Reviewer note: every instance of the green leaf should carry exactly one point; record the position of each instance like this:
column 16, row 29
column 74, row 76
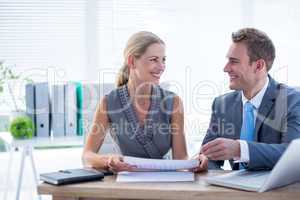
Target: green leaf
column 4, row 72
column 14, row 76
column 28, row 80
column 22, row 127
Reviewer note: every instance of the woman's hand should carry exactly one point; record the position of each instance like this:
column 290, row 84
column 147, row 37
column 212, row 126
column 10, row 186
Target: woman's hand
column 203, row 163
column 116, row 164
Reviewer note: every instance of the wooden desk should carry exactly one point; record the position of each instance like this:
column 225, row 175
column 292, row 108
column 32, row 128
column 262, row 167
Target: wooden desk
column 109, row 189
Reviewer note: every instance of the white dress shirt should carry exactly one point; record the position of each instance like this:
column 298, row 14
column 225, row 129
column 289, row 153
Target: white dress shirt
column 255, row 101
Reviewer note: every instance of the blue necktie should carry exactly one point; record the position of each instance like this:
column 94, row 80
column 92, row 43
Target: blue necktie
column 247, row 130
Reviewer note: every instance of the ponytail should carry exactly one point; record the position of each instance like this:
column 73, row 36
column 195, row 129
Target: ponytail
column 123, row 76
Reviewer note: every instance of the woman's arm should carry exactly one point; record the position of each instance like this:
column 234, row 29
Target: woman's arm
column 179, row 150
column 95, row 139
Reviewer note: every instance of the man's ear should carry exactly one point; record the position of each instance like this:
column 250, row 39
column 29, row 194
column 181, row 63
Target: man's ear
column 260, row 65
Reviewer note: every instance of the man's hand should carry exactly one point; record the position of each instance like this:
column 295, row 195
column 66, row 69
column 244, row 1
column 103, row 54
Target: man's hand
column 221, row 149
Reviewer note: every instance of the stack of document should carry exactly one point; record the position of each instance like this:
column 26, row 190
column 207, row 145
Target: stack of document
column 160, row 164
column 155, row 176
column 158, row 170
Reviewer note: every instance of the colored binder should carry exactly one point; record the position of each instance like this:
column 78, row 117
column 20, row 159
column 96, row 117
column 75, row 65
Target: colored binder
column 90, row 98
column 42, row 110
column 30, row 103
column 58, row 110
column 70, row 109
column 79, row 108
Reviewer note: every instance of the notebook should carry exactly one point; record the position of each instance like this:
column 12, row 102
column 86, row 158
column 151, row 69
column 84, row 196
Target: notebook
column 286, row 171
column 71, row 176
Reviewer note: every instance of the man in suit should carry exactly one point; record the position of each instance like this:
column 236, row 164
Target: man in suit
column 253, row 125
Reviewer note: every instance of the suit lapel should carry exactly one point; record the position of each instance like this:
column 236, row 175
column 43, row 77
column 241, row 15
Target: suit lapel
column 265, row 106
column 237, row 118
column 237, row 113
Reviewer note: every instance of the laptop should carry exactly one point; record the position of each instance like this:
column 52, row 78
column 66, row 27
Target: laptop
column 71, row 176
column 286, row 171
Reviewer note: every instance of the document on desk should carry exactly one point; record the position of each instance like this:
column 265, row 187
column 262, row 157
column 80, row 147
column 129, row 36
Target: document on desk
column 145, row 164
column 174, row 176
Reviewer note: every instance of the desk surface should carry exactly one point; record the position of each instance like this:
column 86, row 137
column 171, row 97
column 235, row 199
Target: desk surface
column 109, row 189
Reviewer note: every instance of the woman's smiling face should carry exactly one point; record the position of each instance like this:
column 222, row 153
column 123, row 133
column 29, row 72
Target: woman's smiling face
column 149, row 66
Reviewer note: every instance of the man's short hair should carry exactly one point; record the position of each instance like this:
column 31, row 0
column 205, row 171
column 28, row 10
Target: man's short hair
column 258, row 44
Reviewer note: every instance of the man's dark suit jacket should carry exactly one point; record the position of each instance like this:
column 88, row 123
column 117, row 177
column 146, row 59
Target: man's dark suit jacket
column 277, row 124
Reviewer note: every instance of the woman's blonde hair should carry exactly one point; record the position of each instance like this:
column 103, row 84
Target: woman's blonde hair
column 136, row 46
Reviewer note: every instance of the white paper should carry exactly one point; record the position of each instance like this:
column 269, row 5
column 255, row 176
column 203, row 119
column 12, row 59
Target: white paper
column 155, row 176
column 160, row 164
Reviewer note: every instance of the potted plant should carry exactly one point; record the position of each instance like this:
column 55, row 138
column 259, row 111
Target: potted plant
column 6, row 75
column 7, row 78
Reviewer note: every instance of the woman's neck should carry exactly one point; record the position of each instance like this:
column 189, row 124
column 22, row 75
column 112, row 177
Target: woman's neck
column 137, row 89
column 140, row 96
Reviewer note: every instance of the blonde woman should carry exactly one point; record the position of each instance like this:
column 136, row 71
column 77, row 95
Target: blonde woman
column 143, row 119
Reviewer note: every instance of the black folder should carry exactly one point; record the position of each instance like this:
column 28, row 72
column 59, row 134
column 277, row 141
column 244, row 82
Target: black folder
column 71, row 176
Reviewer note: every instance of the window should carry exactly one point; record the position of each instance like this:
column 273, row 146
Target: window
column 40, row 39
column 86, row 38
